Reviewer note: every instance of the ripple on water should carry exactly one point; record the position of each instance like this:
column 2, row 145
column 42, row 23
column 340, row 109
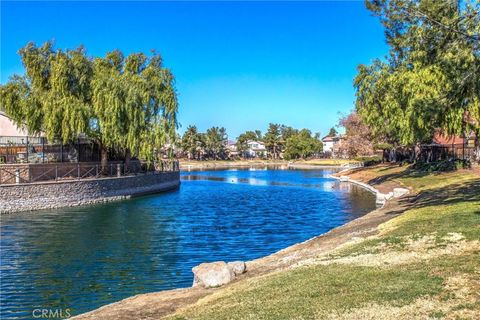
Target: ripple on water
column 84, row 257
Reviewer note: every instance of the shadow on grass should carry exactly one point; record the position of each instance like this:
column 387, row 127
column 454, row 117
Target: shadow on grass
column 408, row 173
column 453, row 194
column 460, row 192
column 466, row 191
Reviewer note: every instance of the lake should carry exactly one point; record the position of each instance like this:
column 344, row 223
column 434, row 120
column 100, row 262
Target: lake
column 84, row 257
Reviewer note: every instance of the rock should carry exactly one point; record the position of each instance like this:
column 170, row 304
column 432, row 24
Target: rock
column 344, row 178
column 237, row 267
column 210, row 275
column 389, row 195
column 398, row 192
column 381, row 198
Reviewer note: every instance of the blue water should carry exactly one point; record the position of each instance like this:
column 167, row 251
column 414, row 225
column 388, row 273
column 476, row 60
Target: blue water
column 85, row 257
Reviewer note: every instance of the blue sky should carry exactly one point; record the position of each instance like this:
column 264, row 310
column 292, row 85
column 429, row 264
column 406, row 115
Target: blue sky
column 239, row 65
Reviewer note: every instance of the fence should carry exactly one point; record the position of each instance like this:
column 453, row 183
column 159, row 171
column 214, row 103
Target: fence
column 432, row 153
column 40, row 150
column 29, row 173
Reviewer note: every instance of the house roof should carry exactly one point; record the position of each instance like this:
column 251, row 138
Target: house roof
column 442, row 139
column 330, row 138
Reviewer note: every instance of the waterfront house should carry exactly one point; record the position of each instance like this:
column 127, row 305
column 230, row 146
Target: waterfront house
column 329, row 142
column 256, row 149
column 231, row 147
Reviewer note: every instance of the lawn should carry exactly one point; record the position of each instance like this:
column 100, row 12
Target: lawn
column 423, row 264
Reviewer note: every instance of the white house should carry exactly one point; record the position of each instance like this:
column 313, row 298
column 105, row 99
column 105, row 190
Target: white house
column 256, row 149
column 329, row 142
column 232, row 148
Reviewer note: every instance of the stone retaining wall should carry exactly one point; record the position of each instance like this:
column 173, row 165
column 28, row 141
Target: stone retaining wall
column 46, row 195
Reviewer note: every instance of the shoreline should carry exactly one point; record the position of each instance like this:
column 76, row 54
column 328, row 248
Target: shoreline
column 30, row 197
column 166, row 302
column 318, row 163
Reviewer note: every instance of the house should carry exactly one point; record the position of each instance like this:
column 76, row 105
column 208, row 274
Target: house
column 256, row 149
column 9, row 129
column 232, row 148
column 14, row 140
column 329, row 142
column 445, row 140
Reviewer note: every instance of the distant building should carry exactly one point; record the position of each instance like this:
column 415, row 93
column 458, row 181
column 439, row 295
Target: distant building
column 256, row 149
column 329, row 143
column 232, row 148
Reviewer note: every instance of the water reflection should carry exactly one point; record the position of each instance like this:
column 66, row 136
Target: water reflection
column 85, row 257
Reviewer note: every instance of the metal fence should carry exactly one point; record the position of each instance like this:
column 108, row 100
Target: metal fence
column 40, row 150
column 30, row 173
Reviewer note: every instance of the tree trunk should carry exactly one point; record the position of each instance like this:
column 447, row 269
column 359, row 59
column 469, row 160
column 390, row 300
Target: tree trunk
column 104, row 158
column 128, row 157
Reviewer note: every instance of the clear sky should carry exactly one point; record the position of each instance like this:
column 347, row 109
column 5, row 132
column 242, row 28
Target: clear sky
column 239, row 65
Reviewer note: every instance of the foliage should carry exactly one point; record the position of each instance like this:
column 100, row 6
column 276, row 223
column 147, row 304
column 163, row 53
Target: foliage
column 431, row 78
column 441, row 166
column 242, row 140
column 192, row 142
column 273, row 140
column 302, row 145
column 215, row 142
column 382, row 146
column 370, row 160
column 128, row 104
column 357, row 140
column 333, row 132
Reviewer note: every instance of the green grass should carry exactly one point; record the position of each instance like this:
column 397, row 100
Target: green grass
column 315, row 291
column 446, row 203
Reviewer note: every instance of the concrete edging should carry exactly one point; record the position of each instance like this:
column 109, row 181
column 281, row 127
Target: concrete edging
column 381, row 198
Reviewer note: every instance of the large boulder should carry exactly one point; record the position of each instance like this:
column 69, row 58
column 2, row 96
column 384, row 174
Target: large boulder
column 214, row 274
column 237, row 267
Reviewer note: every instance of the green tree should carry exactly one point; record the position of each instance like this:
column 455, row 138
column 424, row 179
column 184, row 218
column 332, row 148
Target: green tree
column 129, row 105
column 332, row 132
column 191, row 142
column 302, row 145
column 273, row 139
column 242, row 140
column 215, row 142
column 431, row 78
column 287, row 132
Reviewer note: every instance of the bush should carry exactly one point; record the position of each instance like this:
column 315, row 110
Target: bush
column 442, row 166
column 369, row 160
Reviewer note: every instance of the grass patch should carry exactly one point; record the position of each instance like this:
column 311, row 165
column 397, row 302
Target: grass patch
column 310, row 292
column 447, row 205
column 463, row 218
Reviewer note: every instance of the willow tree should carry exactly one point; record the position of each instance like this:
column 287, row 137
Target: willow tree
column 127, row 104
column 135, row 104
column 431, row 77
column 54, row 95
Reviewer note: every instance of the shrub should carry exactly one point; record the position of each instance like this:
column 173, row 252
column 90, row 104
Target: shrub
column 369, row 160
column 442, row 166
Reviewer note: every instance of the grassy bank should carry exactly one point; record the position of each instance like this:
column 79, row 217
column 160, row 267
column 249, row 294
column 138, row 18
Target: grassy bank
column 422, row 264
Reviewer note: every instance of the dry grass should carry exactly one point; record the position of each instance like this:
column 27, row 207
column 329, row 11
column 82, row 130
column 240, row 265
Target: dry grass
column 423, row 264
